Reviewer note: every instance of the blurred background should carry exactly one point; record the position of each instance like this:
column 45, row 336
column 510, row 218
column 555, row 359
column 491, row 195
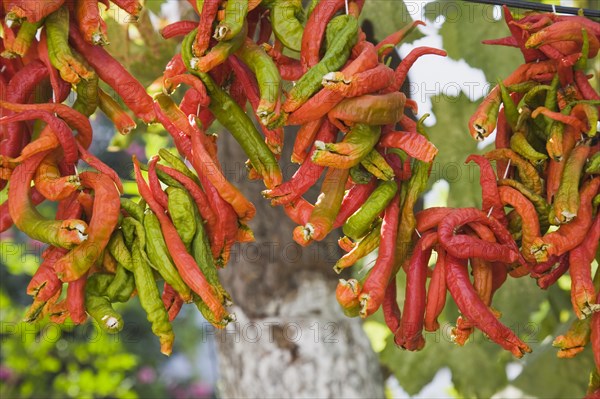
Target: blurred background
column 269, row 278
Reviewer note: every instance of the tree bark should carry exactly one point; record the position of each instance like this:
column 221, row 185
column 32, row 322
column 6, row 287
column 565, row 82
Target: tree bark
column 291, row 338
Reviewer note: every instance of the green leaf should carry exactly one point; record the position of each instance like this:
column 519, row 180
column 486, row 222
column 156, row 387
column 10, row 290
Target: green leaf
column 466, row 25
column 451, row 137
column 545, row 376
column 388, row 17
column 153, row 5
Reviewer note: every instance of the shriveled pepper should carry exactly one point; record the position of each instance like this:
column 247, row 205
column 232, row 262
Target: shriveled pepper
column 326, row 209
column 357, row 143
column 566, row 201
column 373, row 290
column 364, row 247
column 357, row 225
column 61, row 233
column 475, row 310
column 104, row 219
column 381, row 109
column 235, row 15
column 583, row 293
column 181, row 210
column 414, row 144
column 335, row 57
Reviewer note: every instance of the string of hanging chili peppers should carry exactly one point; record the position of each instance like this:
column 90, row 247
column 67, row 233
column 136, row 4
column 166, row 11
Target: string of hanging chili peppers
column 539, row 212
column 535, row 6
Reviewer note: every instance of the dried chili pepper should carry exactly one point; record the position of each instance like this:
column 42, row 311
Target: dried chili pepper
column 373, row 290
column 355, row 146
column 326, row 209
column 476, row 311
column 583, row 294
column 61, row 233
column 357, row 225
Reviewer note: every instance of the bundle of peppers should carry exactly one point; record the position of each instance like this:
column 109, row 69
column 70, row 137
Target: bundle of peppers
column 241, row 53
column 539, row 215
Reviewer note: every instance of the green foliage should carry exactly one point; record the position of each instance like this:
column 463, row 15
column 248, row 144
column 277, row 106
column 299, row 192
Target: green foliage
column 388, row 17
column 451, row 137
column 55, row 361
column 465, row 26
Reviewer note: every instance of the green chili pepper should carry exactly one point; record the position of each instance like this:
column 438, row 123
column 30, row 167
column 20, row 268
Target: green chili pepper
column 235, row 16
column 510, row 108
column 87, row 92
column 176, row 163
column 376, row 164
column 168, row 180
column 134, row 210
column 355, row 146
column 203, row 256
column 219, row 53
column 359, row 223
column 593, row 164
column 541, row 206
column 286, row 19
column 410, row 193
column 59, row 51
column 150, row 299
column 235, row 120
column 335, row 57
column 269, row 82
column 158, row 254
column 554, row 145
column 581, row 64
column 360, row 175
column 520, row 145
column 310, row 8
column 23, row 40
column 181, row 208
column 566, row 201
column 118, row 249
column 121, row 287
column 98, row 306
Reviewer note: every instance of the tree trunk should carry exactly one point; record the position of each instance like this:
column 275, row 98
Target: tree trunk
column 291, row 338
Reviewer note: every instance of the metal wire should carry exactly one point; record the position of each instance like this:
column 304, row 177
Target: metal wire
column 542, row 7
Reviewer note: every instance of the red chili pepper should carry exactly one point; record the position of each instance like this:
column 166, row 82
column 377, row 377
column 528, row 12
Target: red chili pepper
column 354, row 199
column 100, row 166
column 305, row 177
column 347, row 293
column 436, row 292
column 90, row 22
column 50, row 182
column 583, row 293
column 463, row 246
column 410, row 336
column 476, row 311
column 376, row 283
column 430, row 218
column 62, row 233
column 391, row 311
column 185, row 263
column 566, row 119
column 305, row 139
column 104, row 219
column 76, row 300
column 179, row 28
column 414, row 144
column 116, row 76
column 384, row 48
column 326, row 209
column 324, row 100
column 570, row 235
column 172, row 301
column 408, row 62
column 520, row 36
column 45, row 283
column 315, row 30
column 31, row 10
column 549, row 278
column 585, row 87
column 157, row 192
column 192, row 81
column 489, row 190
column 73, row 118
column 207, row 17
column 131, row 7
